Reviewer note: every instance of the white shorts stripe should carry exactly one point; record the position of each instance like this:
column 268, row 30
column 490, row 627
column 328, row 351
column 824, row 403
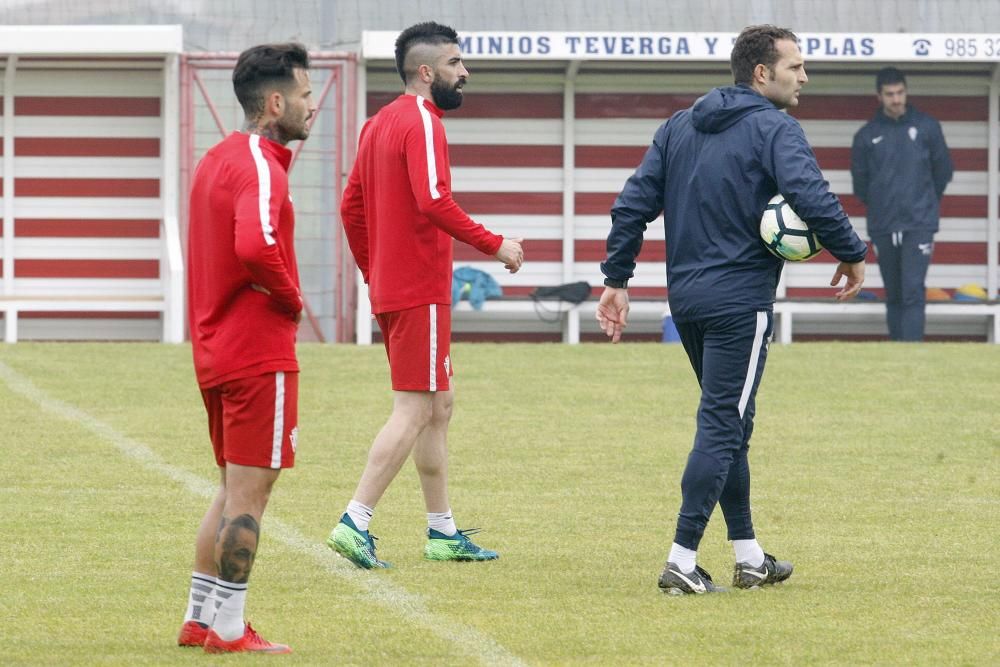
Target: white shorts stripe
column 279, row 419
column 425, row 115
column 758, row 341
column 434, row 346
column 263, row 189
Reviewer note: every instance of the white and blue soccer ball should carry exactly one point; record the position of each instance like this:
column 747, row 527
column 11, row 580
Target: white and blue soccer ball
column 785, row 234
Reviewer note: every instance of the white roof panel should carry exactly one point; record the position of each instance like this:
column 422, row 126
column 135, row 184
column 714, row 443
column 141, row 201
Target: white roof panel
column 73, row 40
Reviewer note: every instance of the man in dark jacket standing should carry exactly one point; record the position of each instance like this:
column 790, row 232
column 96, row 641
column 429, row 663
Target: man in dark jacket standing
column 711, row 170
column 900, row 167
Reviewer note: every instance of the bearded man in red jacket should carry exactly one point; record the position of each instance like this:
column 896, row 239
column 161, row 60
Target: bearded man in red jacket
column 400, row 219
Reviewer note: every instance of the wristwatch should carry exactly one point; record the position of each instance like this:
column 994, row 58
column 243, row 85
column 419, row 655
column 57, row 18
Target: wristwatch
column 617, row 284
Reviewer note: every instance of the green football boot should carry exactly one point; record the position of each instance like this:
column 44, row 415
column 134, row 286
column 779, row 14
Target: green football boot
column 455, row 547
column 357, row 546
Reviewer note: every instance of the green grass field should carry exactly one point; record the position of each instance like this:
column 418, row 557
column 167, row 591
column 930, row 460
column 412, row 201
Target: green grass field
column 875, row 469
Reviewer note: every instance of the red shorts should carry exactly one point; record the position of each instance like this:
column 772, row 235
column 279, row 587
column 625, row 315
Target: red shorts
column 418, row 344
column 254, row 421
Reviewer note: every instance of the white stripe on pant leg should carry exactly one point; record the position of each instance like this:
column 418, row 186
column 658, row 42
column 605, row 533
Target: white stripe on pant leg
column 434, row 347
column 279, row 419
column 758, row 341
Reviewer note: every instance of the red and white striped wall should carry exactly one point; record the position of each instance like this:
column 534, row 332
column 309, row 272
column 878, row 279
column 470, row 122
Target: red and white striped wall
column 540, row 151
column 89, row 170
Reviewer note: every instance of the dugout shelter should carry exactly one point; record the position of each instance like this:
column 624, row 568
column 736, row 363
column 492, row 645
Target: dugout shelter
column 553, row 124
column 90, row 239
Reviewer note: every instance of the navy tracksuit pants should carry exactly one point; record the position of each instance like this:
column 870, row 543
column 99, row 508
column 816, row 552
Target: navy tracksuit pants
column 903, row 260
column 728, row 354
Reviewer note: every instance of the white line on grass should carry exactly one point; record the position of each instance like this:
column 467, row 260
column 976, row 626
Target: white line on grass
column 397, row 599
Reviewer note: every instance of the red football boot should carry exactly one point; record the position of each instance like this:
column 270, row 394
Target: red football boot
column 192, row 633
column 249, row 642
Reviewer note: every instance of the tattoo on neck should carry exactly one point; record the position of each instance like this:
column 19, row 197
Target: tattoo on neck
column 269, row 130
column 237, row 543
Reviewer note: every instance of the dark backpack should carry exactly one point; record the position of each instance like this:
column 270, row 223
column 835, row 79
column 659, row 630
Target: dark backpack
column 571, row 293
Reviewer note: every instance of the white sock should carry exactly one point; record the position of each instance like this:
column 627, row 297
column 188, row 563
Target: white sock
column 443, row 522
column 360, row 514
column 201, row 599
column 749, row 552
column 232, row 598
column 682, row 557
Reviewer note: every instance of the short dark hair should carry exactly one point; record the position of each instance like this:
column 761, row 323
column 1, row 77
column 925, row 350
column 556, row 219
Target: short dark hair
column 428, row 32
column 266, row 66
column 888, row 76
column 755, row 46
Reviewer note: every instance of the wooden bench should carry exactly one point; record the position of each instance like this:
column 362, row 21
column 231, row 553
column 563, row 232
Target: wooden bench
column 652, row 312
column 567, row 316
column 12, row 306
column 164, row 295
column 786, row 310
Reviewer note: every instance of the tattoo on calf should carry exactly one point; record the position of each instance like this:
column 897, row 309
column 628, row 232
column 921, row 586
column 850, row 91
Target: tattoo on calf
column 238, row 538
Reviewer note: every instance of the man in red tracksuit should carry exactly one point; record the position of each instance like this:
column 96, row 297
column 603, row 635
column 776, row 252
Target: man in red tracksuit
column 400, row 220
column 244, row 306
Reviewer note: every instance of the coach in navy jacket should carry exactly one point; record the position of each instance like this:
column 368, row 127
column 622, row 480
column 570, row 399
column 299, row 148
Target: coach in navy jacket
column 900, row 167
column 711, row 170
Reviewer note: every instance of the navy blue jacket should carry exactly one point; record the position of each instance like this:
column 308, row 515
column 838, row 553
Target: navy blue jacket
column 711, row 170
column 900, row 169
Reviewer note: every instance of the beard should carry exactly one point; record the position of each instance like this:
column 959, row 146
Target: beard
column 446, row 97
column 294, row 129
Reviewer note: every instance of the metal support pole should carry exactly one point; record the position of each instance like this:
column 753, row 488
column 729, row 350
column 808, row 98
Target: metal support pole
column 8, row 180
column 571, row 319
column 993, row 187
column 363, row 321
column 172, row 267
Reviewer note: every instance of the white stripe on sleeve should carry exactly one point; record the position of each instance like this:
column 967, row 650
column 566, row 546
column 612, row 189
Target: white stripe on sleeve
column 425, row 115
column 758, row 341
column 434, row 346
column 279, row 419
column 263, row 189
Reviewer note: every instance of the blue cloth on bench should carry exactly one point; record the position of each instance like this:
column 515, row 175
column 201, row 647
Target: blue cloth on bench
column 474, row 285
